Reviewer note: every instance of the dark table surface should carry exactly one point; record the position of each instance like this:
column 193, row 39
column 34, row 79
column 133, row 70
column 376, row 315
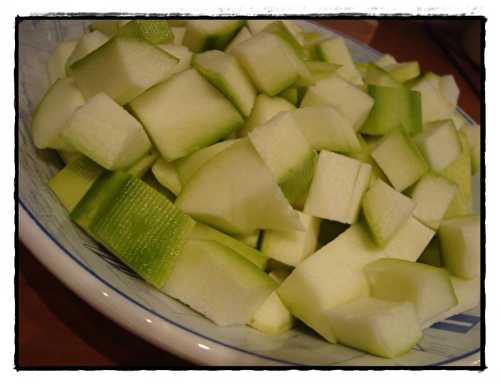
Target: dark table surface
column 57, row 328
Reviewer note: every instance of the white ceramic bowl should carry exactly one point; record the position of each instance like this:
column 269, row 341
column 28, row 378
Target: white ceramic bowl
column 95, row 276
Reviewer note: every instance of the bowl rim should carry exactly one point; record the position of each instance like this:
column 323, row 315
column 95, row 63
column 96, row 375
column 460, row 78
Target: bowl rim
column 153, row 327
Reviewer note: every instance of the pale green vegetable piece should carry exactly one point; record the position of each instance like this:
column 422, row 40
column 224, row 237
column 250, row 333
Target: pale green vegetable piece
column 380, row 327
column 432, row 194
column 428, row 288
column 337, row 188
column 217, row 282
column 236, row 193
column 410, row 241
column 439, row 144
column 105, row 132
column 293, row 168
column 449, row 88
column 468, row 293
column 385, row 211
column 435, row 106
column 335, row 51
column 291, row 247
column 400, row 160
column 137, row 65
column 53, row 113
column 184, row 114
column 180, row 52
column 352, row 102
column 268, row 62
column 326, row 128
column 461, row 246
column 187, row 166
column 264, row 109
column 223, row 72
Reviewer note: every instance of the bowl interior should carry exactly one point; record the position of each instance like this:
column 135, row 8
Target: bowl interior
column 448, row 341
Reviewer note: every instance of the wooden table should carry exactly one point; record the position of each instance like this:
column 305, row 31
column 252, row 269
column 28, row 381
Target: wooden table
column 58, row 329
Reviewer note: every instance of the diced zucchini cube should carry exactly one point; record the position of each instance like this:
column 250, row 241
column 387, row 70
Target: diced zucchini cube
column 53, row 113
column 136, row 66
column 439, row 144
column 337, row 188
column 385, row 211
column 383, row 328
column 219, row 283
column 268, row 62
column 394, row 108
column 291, row 247
column 460, row 246
column 293, row 169
column 264, row 109
column 105, row 132
column 432, row 194
column 347, row 98
column 326, row 128
column 335, row 51
column 184, row 114
column 410, row 241
column 428, row 288
column 400, row 160
column 223, row 72
column 435, row 106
